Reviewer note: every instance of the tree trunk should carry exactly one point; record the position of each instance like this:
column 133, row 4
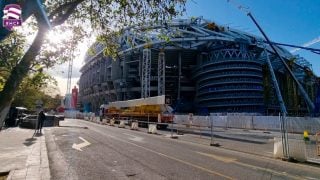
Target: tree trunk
column 18, row 73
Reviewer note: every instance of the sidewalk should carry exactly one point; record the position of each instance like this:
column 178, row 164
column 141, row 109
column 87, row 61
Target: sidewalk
column 23, row 154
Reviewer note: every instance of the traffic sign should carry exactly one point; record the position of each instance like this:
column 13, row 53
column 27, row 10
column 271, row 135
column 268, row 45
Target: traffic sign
column 39, row 104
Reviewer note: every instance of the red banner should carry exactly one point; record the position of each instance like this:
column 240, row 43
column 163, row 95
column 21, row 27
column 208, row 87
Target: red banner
column 74, row 99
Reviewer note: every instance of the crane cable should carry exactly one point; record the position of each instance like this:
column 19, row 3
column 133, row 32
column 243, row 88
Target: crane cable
column 305, row 46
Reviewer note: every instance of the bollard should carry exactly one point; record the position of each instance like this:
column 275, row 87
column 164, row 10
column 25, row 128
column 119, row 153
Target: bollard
column 112, row 122
column 212, row 143
column 172, row 136
column 122, row 124
column 152, row 129
column 134, row 126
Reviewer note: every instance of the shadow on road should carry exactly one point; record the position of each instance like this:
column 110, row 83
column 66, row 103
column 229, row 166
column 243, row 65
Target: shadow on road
column 244, row 139
column 30, row 141
column 79, row 127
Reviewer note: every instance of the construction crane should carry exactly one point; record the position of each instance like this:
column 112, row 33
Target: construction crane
column 69, row 76
column 67, row 102
column 68, row 97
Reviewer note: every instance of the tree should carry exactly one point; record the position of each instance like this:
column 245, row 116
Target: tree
column 11, row 50
column 104, row 17
column 35, row 85
column 32, row 89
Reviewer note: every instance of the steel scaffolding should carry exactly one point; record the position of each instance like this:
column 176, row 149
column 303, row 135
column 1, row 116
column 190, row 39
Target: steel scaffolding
column 146, row 72
column 161, row 73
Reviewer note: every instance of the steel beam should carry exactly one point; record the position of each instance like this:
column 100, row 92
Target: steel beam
column 275, row 84
column 303, row 92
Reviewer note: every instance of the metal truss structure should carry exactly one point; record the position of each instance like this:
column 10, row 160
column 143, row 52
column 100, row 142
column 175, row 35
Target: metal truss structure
column 146, row 72
column 224, row 55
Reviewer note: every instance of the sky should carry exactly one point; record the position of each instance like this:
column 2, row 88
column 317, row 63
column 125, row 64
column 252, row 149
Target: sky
column 60, row 72
column 287, row 21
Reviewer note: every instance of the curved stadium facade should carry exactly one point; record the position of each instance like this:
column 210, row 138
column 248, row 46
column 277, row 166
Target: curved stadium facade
column 202, row 68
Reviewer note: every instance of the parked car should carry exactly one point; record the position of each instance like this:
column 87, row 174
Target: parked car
column 15, row 115
column 30, row 121
column 60, row 117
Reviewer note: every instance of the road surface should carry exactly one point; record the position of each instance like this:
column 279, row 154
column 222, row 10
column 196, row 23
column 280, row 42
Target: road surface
column 85, row 150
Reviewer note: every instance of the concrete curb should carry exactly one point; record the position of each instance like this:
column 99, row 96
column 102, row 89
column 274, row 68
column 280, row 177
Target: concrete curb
column 37, row 165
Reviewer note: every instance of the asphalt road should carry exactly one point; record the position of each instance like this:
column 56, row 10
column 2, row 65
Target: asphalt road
column 104, row 152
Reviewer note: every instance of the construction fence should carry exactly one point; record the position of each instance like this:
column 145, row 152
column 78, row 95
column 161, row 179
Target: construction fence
column 259, row 135
column 265, row 123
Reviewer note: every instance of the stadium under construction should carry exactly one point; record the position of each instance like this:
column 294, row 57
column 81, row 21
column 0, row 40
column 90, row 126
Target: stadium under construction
column 201, row 67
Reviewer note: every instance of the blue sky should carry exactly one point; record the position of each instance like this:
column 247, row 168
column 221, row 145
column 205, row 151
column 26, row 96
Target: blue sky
column 287, row 21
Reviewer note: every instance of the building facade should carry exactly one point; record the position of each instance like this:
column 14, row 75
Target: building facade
column 203, row 68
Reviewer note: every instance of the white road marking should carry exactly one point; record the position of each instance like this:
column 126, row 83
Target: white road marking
column 134, row 138
column 310, row 178
column 219, row 158
column 171, row 157
column 169, row 135
column 234, row 161
column 81, row 145
column 268, row 152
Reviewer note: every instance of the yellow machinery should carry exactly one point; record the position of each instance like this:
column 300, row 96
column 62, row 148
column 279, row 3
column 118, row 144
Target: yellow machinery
column 144, row 110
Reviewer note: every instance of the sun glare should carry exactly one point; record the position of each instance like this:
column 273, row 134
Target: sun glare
column 56, row 37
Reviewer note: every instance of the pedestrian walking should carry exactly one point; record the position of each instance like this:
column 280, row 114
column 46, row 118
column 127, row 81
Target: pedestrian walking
column 41, row 118
column 101, row 114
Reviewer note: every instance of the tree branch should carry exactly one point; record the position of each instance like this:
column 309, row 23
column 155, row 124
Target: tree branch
column 61, row 18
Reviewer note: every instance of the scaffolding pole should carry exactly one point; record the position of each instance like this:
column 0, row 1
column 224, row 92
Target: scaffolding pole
column 161, row 73
column 283, row 125
column 146, row 72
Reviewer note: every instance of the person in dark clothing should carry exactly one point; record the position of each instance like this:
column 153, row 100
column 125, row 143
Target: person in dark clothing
column 41, row 118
